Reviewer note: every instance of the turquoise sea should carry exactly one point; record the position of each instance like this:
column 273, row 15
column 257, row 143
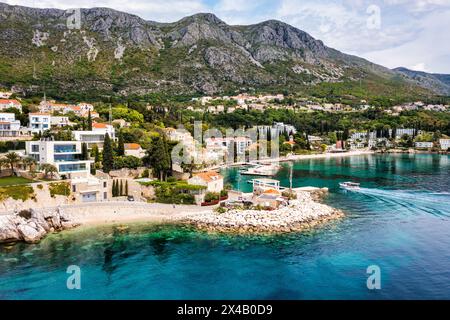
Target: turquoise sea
column 399, row 221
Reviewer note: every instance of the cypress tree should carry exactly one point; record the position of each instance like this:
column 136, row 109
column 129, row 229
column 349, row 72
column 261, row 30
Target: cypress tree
column 158, row 157
column 89, row 121
column 120, row 146
column 126, row 187
column 95, row 153
column 113, row 190
column 121, row 188
column 84, row 151
column 107, row 160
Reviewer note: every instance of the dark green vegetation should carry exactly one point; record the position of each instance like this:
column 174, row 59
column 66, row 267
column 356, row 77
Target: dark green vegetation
column 197, row 55
column 178, row 192
column 107, row 155
column 59, row 188
column 19, row 192
column 119, row 188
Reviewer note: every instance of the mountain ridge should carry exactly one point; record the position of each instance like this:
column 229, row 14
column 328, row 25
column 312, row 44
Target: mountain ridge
column 438, row 82
column 116, row 53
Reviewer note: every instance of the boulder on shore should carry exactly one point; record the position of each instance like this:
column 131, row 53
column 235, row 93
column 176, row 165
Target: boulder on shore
column 32, row 225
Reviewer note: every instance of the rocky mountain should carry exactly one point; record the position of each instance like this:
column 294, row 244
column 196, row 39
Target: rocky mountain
column 103, row 52
column 439, row 83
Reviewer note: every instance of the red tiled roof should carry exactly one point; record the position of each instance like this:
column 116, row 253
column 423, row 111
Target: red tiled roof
column 8, row 101
column 132, row 146
column 99, row 125
column 209, row 176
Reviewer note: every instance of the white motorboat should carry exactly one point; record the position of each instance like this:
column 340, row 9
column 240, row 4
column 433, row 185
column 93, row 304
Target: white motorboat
column 261, row 170
column 349, row 185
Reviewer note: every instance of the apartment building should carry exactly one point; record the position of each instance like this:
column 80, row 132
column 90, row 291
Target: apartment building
column 9, row 126
column 10, row 103
column 39, row 122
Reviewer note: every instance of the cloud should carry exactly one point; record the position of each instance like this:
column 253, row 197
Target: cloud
column 354, row 26
column 419, row 6
column 418, row 67
column 431, row 47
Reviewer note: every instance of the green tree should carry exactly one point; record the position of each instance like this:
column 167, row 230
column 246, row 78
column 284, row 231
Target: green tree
column 126, row 187
column 49, row 169
column 108, row 158
column 120, row 146
column 89, row 121
column 121, row 188
column 158, row 157
column 29, row 162
column 114, row 188
column 12, row 159
column 95, row 153
column 130, row 162
column 84, row 151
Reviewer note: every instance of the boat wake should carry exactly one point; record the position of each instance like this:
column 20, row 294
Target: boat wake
column 435, row 203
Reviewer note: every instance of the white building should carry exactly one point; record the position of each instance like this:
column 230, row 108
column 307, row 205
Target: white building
column 96, row 136
column 222, row 144
column 64, row 155
column 5, row 94
column 363, row 135
column 9, row 126
column 401, row 132
column 90, row 188
column 60, row 121
column 39, row 122
column 445, row 144
column 213, row 181
column 178, row 134
column 134, row 149
column 424, row 145
column 10, row 103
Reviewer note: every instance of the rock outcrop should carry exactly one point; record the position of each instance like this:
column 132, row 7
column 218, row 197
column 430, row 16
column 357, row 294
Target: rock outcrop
column 300, row 214
column 32, row 225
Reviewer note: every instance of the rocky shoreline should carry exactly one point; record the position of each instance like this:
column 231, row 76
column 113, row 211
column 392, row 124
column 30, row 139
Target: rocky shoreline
column 300, row 214
column 305, row 212
column 32, row 225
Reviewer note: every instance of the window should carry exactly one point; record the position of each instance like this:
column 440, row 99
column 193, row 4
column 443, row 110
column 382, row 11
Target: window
column 72, row 167
column 74, row 188
column 34, row 148
column 61, row 148
column 104, row 184
column 105, row 195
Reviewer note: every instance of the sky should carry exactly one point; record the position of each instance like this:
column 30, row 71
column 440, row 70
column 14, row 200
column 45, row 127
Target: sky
column 408, row 33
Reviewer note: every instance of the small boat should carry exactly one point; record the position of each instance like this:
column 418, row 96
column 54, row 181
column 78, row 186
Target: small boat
column 349, row 185
column 261, row 170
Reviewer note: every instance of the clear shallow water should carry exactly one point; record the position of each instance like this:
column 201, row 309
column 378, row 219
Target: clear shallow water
column 399, row 220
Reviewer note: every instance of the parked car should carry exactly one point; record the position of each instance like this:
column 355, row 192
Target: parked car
column 130, row 198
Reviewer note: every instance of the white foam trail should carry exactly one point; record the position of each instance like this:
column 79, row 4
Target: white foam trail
column 436, row 203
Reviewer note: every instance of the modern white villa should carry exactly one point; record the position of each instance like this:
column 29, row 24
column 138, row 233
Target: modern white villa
column 96, row 136
column 65, row 155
